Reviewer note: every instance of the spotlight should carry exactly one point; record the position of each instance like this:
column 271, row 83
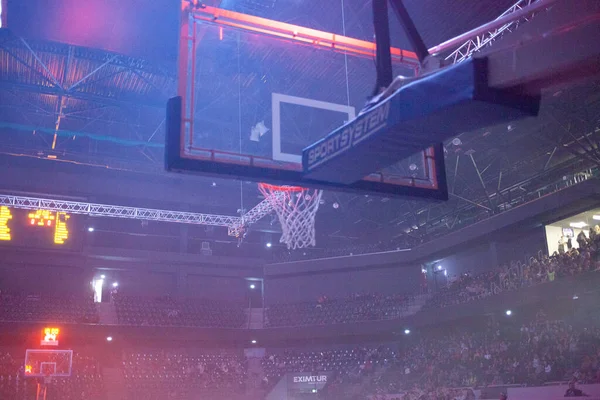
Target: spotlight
column 269, row 245
column 508, row 312
column 439, row 267
column 253, row 341
column 102, row 276
column 214, row 184
column 109, row 338
column 91, row 229
column 336, row 205
column 575, row 297
column 116, row 284
column 253, row 286
column 407, row 331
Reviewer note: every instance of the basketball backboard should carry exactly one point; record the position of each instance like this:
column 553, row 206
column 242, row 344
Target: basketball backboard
column 48, row 363
column 253, row 93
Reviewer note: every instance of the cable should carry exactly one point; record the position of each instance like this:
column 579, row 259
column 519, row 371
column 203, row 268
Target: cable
column 239, row 72
column 345, row 54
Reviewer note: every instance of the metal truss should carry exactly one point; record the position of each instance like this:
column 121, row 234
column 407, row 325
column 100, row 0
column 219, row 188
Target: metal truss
column 39, row 73
column 257, row 213
column 235, row 225
column 477, row 42
column 106, row 210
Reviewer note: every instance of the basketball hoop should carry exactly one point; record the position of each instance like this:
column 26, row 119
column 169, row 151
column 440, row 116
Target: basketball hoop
column 296, row 208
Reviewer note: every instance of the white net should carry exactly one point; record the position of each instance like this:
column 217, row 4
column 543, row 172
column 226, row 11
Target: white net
column 296, row 208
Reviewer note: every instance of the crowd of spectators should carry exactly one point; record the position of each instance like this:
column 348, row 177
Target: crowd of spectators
column 160, row 375
column 354, row 308
column 37, row 308
column 165, row 311
column 567, row 261
column 448, row 362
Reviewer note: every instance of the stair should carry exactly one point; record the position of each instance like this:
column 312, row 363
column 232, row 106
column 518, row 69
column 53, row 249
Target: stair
column 255, row 318
column 114, row 384
column 107, row 313
column 256, row 373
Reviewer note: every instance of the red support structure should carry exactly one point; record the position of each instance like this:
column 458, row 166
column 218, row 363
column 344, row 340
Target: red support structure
column 295, row 33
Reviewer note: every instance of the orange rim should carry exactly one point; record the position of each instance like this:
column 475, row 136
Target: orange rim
column 276, row 188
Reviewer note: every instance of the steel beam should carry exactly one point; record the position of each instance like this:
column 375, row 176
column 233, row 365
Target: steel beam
column 235, row 225
column 477, row 42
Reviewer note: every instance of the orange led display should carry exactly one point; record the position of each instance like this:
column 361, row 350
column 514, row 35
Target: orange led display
column 50, row 337
column 61, row 232
column 5, row 216
column 41, row 218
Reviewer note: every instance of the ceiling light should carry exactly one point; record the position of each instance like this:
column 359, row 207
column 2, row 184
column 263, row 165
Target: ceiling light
column 91, row 229
column 577, row 224
column 407, row 331
column 269, row 244
column 508, row 312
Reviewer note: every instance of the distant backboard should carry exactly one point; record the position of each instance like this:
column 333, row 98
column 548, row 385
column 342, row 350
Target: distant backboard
column 253, row 93
column 48, row 363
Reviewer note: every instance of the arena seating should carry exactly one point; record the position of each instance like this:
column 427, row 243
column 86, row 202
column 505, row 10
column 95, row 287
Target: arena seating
column 183, row 374
column 356, row 308
column 532, row 354
column 168, row 312
column 515, row 276
column 460, row 355
column 47, row 309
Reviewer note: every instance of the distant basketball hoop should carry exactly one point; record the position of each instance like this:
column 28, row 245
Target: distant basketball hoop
column 296, row 208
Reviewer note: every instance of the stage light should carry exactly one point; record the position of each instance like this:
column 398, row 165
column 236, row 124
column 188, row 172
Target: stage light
column 269, row 244
column 102, row 276
column 109, row 338
column 508, row 312
column 407, row 331
column 439, row 267
column 116, row 284
column 252, row 286
column 575, row 297
column 253, row 341
column 91, row 229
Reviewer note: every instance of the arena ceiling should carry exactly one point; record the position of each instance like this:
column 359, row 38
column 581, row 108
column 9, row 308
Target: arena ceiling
column 94, row 107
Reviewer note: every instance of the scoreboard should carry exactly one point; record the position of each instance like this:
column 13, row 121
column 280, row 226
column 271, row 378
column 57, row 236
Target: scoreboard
column 35, row 227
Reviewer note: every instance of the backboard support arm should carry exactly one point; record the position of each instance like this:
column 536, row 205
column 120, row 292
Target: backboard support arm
column 383, row 41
